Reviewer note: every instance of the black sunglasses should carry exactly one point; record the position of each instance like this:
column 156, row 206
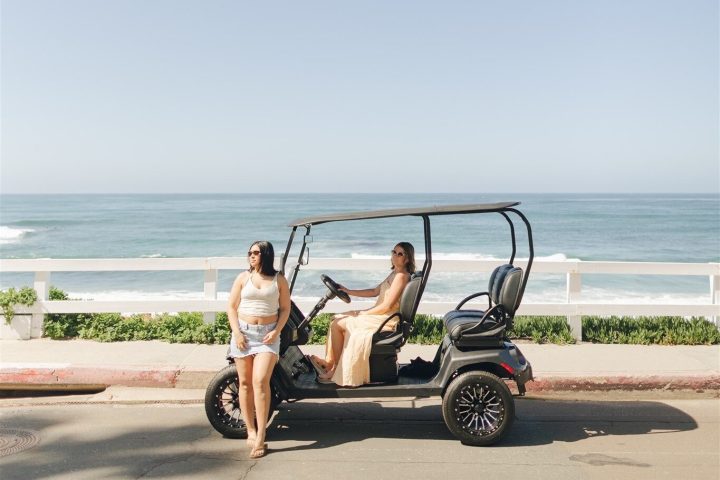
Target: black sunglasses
column 252, row 253
column 398, row 254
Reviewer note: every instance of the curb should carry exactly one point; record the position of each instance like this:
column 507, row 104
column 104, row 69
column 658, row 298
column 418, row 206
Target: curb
column 698, row 383
column 10, row 378
column 67, row 377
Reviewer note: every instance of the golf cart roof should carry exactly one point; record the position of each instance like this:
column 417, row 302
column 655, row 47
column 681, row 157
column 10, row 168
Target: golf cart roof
column 402, row 212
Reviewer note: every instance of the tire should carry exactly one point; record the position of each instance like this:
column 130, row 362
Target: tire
column 222, row 406
column 478, row 408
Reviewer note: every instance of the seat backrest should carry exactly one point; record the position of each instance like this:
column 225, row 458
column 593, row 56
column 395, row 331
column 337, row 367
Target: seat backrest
column 409, row 299
column 504, row 287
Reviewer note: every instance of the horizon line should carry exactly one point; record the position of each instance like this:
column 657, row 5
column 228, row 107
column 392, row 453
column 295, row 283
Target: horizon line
column 369, row 193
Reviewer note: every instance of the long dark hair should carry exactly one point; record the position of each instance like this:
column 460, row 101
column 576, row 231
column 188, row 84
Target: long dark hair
column 409, row 251
column 267, row 257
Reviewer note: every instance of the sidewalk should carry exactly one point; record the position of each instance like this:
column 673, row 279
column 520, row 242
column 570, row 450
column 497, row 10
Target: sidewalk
column 52, row 364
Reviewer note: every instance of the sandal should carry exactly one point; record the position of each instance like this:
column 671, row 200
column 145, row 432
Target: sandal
column 315, row 361
column 259, row 452
column 326, row 377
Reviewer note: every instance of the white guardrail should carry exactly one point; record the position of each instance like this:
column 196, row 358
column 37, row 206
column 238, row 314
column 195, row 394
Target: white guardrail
column 573, row 308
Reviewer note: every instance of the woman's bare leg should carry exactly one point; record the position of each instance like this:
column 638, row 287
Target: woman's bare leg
column 336, row 341
column 262, row 370
column 327, row 362
column 244, row 367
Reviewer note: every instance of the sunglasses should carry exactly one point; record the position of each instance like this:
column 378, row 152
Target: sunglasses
column 253, row 253
column 397, row 254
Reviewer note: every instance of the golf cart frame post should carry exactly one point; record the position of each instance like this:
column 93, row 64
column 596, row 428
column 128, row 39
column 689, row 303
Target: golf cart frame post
column 425, row 214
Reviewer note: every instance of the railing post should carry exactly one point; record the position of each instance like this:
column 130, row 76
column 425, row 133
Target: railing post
column 41, row 285
column 574, row 285
column 715, row 296
column 210, row 289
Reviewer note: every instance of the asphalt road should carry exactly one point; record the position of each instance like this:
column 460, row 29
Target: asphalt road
column 603, row 437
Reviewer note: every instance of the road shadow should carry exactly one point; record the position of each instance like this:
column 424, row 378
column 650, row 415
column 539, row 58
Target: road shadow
column 143, row 441
column 541, row 422
column 537, row 422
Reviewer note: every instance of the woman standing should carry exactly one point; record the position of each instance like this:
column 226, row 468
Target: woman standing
column 258, row 309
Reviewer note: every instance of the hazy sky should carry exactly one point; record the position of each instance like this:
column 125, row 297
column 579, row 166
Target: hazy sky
column 362, row 96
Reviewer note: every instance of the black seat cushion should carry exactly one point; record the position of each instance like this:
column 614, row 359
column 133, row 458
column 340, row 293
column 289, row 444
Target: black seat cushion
column 503, row 292
column 457, row 322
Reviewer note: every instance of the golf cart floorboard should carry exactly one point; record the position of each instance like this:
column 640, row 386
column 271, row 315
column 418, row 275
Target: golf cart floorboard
column 307, row 386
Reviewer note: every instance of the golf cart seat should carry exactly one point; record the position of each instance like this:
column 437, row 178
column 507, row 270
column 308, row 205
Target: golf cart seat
column 487, row 327
column 387, row 344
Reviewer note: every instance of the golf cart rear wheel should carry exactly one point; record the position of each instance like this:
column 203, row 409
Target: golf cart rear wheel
column 222, row 405
column 478, row 407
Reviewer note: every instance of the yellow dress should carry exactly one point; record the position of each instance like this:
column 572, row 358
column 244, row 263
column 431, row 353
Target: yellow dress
column 353, row 369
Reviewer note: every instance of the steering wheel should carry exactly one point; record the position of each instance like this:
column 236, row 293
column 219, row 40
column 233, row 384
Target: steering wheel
column 334, row 288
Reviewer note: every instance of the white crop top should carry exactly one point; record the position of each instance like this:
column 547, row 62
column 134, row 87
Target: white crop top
column 259, row 302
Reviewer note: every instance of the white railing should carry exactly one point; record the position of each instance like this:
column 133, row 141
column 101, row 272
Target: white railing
column 573, row 308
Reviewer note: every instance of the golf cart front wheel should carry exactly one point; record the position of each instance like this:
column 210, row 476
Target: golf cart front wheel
column 478, row 408
column 222, row 405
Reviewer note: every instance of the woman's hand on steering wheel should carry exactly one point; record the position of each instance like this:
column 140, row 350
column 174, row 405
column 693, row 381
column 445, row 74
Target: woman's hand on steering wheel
column 335, row 288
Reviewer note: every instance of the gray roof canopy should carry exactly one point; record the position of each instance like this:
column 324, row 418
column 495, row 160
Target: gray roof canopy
column 404, row 212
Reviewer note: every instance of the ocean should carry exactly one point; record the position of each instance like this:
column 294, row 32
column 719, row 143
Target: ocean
column 604, row 227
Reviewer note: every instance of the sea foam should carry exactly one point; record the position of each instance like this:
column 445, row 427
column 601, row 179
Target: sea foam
column 12, row 235
column 557, row 257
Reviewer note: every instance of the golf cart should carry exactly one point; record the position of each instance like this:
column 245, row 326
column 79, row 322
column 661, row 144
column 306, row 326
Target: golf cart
column 470, row 367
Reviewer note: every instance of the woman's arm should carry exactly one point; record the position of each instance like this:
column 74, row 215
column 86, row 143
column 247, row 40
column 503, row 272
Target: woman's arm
column 232, row 308
column 391, row 297
column 283, row 310
column 367, row 292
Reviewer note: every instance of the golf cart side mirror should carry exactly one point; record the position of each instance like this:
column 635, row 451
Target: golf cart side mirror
column 305, row 257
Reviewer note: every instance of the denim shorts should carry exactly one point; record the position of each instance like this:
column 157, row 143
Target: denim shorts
column 254, row 335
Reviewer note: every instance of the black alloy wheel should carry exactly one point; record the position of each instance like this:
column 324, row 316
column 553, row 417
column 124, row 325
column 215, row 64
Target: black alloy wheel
column 478, row 408
column 222, row 405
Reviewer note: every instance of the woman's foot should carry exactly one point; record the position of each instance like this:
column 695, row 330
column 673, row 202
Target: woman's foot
column 318, row 363
column 251, row 439
column 327, row 375
column 258, row 451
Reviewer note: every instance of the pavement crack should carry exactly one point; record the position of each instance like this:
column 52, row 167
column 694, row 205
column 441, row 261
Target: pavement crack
column 245, row 475
column 163, row 463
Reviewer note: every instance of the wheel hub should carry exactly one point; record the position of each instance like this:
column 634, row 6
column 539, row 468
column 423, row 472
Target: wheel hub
column 479, row 409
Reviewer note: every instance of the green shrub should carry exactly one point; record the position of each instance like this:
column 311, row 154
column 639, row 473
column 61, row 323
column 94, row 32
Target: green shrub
column 11, row 297
column 63, row 325
column 428, row 330
column 542, row 329
column 650, row 330
column 189, row 328
column 320, row 325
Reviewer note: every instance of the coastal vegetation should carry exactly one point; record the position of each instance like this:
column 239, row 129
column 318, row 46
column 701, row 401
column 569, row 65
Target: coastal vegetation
column 188, row 327
column 11, row 297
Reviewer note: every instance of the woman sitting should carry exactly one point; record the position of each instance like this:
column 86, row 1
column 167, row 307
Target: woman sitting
column 349, row 341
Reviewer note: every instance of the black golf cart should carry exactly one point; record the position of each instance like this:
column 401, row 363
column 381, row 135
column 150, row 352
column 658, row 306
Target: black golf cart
column 469, row 369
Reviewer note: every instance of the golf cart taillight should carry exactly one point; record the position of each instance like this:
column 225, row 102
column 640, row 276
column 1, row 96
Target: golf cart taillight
column 508, row 368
